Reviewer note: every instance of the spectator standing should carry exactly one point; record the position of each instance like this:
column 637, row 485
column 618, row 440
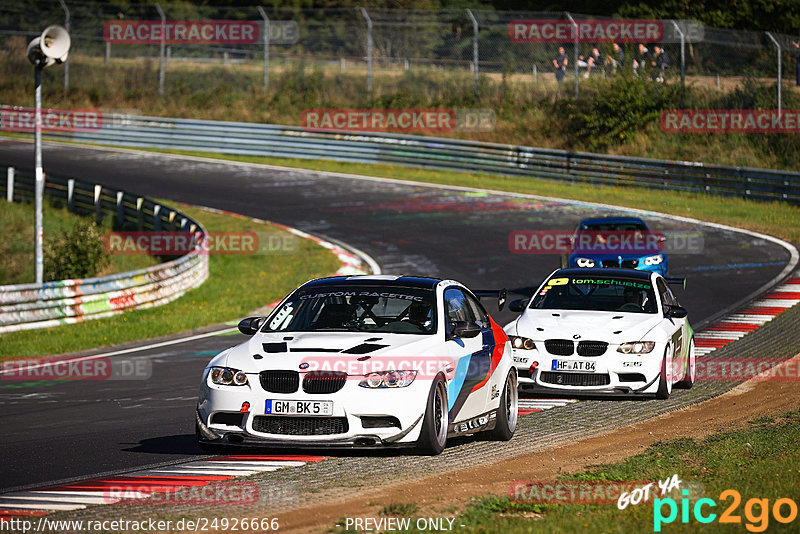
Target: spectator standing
column 594, row 61
column 560, row 63
column 640, row 60
column 660, row 63
column 617, row 59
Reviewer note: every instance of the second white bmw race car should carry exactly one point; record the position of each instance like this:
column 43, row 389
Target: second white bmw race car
column 363, row 361
column 587, row 332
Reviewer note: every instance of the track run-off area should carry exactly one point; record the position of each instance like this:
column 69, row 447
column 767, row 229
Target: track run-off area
column 66, row 443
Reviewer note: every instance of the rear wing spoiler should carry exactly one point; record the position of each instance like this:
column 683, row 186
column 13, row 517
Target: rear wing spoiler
column 500, row 294
column 677, row 282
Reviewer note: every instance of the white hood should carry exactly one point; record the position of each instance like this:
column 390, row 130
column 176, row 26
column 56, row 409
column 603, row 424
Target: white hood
column 320, row 348
column 611, row 327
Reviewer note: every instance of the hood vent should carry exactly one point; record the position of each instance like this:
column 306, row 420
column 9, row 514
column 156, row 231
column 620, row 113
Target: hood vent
column 272, row 348
column 364, row 348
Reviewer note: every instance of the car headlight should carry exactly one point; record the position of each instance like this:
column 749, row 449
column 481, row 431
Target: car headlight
column 224, row 376
column 585, row 262
column 519, row 342
column 654, row 260
column 637, row 347
column 388, row 379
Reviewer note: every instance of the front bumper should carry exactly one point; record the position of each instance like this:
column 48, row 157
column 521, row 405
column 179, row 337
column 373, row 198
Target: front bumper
column 406, row 406
column 621, row 375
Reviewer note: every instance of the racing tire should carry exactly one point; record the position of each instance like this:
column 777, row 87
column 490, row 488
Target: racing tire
column 507, row 412
column 691, row 369
column 664, row 386
column 433, row 435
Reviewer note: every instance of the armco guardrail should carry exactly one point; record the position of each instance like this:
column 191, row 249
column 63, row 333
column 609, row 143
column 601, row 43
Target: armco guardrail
column 440, row 153
column 30, row 306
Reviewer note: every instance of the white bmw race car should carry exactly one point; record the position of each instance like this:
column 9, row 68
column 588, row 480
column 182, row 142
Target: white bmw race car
column 596, row 333
column 363, row 361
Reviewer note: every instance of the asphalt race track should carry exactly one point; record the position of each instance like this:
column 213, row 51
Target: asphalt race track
column 58, row 431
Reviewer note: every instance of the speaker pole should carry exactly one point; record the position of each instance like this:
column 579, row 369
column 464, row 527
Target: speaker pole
column 39, row 189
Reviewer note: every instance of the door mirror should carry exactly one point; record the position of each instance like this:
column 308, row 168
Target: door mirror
column 466, row 329
column 251, row 325
column 517, row 306
column 676, row 312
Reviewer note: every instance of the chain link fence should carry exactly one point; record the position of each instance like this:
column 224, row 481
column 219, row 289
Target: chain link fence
column 381, row 44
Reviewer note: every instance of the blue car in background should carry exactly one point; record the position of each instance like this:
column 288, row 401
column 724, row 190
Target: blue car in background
column 617, row 242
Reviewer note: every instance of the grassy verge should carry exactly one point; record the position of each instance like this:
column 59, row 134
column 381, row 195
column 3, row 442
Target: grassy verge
column 779, row 219
column 237, row 285
column 16, row 247
column 760, row 462
column 614, row 115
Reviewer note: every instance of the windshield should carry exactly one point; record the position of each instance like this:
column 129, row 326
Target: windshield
column 602, row 293
column 393, row 310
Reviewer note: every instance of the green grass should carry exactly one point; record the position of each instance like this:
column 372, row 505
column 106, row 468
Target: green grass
column 762, row 461
column 398, row 508
column 237, row 285
column 779, row 219
column 16, row 246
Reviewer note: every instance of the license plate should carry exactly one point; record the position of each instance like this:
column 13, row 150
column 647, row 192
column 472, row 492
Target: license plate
column 297, row 407
column 574, row 365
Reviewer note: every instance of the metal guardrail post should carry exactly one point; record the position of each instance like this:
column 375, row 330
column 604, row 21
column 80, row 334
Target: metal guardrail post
column 266, row 47
column 780, row 68
column 70, row 195
column 139, row 214
column 683, row 62
column 157, row 218
column 120, row 209
column 575, row 29
column 10, row 185
column 161, row 58
column 369, row 48
column 98, row 207
column 66, row 27
column 474, row 49
column 108, row 53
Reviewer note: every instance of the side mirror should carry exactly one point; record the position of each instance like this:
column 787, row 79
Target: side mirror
column 251, row 325
column 676, row 312
column 466, row 329
column 517, row 306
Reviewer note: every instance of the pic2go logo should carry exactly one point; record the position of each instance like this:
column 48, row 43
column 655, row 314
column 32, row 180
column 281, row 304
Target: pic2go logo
column 756, row 511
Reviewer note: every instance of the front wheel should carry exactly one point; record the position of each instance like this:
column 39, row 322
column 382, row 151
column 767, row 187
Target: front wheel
column 508, row 411
column 433, row 435
column 665, row 378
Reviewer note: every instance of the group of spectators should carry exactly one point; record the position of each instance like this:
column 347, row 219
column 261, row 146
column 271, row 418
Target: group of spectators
column 655, row 62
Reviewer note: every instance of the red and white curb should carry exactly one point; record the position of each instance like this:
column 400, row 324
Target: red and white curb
column 111, row 490
column 527, row 406
column 748, row 319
